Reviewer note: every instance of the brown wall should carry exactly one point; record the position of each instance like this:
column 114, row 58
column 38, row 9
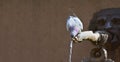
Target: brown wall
column 35, row 30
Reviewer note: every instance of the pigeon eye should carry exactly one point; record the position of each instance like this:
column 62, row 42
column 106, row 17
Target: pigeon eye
column 116, row 21
column 101, row 22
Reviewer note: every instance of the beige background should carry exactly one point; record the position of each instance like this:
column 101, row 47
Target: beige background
column 35, row 30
